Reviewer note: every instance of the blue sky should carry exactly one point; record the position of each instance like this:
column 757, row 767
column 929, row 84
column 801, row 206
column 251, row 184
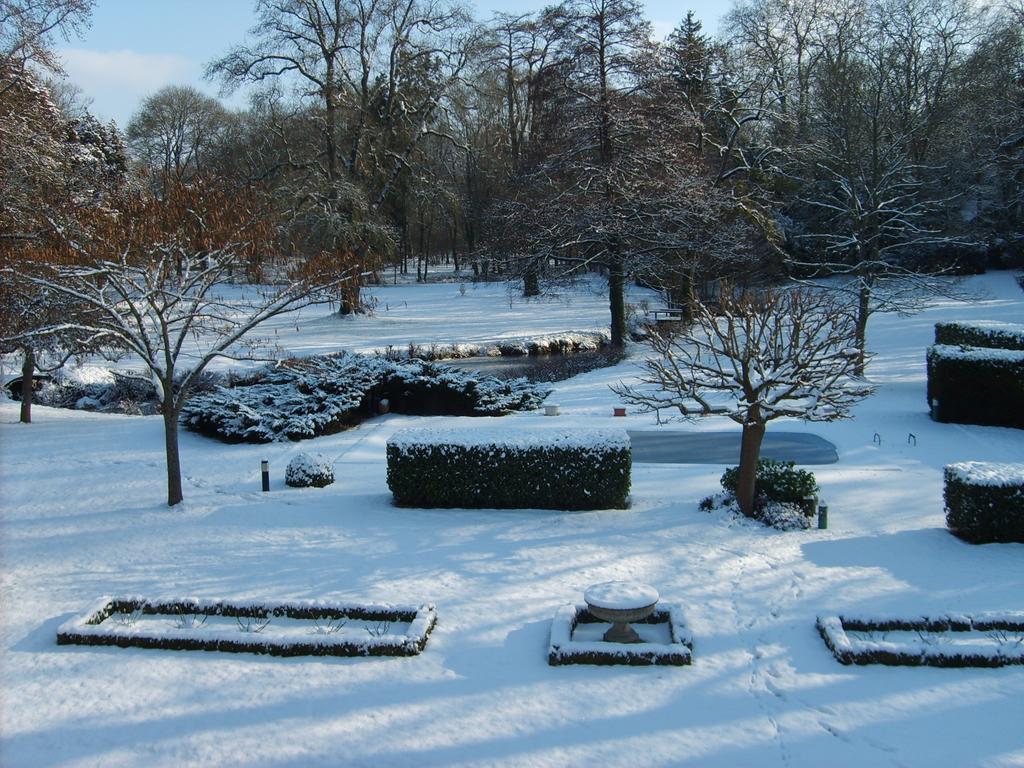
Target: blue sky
column 135, row 47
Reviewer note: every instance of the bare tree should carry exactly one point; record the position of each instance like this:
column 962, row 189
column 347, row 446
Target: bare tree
column 758, row 356
column 377, row 73
column 176, row 131
column 154, row 281
column 27, row 28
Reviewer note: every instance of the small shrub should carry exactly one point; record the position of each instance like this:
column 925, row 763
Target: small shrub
column 305, row 471
column 974, row 385
column 777, row 481
column 985, row 502
column 513, row 469
column 783, row 516
column 981, row 334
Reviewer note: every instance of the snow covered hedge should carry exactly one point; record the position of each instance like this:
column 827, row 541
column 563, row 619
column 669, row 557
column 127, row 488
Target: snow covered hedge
column 563, row 649
column 510, row 469
column 981, row 334
column 982, row 640
column 985, row 502
column 308, row 471
column 975, row 385
column 99, row 627
column 320, row 395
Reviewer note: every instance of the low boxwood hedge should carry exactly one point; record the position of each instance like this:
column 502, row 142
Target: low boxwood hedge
column 985, row 501
column 974, row 385
column 510, row 469
column 980, row 334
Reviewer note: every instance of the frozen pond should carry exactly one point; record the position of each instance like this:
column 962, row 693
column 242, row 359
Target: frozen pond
column 724, row 447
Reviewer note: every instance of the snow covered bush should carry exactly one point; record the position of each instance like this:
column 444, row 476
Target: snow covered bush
column 321, row 395
column 129, row 392
column 985, row 501
column 305, row 471
column 782, row 516
column 510, row 469
column 975, row 385
column 981, row 334
column 778, row 481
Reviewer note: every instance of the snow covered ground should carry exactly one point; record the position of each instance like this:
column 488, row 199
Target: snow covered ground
column 83, row 515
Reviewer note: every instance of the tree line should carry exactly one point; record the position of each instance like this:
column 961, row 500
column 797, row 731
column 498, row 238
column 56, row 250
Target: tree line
column 869, row 147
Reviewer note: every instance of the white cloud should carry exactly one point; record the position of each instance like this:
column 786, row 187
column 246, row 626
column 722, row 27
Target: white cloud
column 118, row 80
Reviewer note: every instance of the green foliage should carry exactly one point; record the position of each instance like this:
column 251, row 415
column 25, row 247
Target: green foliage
column 503, row 477
column 778, row 481
column 990, row 335
column 976, row 386
column 983, row 513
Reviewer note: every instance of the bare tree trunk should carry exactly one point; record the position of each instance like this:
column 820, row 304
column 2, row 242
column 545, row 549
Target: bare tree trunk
column 750, row 452
column 617, row 302
column 174, row 492
column 861, row 333
column 28, row 368
column 531, row 279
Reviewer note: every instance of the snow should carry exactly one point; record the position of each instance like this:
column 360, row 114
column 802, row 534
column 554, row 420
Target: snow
column 82, row 514
column 498, row 438
column 988, row 473
column 621, row 595
column 976, row 354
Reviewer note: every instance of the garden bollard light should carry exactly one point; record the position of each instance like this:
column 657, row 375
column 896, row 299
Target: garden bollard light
column 265, row 469
column 823, row 516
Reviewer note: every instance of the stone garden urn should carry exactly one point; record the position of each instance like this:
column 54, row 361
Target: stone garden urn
column 621, row 602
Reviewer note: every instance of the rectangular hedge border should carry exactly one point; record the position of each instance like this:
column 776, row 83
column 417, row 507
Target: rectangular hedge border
column 833, row 631
column 564, row 650
column 510, row 469
column 85, row 629
column 975, row 385
column 985, row 501
column 981, row 334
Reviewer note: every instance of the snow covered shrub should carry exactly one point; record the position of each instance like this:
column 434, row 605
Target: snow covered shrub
column 974, row 385
column 981, row 334
column 510, row 469
column 783, row 516
column 307, row 470
column 777, row 481
column 320, row 395
column 985, row 502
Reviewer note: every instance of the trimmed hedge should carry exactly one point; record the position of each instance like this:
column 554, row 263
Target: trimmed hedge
column 90, row 629
column 563, row 649
column 510, row 469
column 920, row 650
column 985, row 502
column 974, row 385
column 981, row 334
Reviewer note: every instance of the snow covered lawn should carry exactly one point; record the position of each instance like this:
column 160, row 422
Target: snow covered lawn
column 83, row 516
